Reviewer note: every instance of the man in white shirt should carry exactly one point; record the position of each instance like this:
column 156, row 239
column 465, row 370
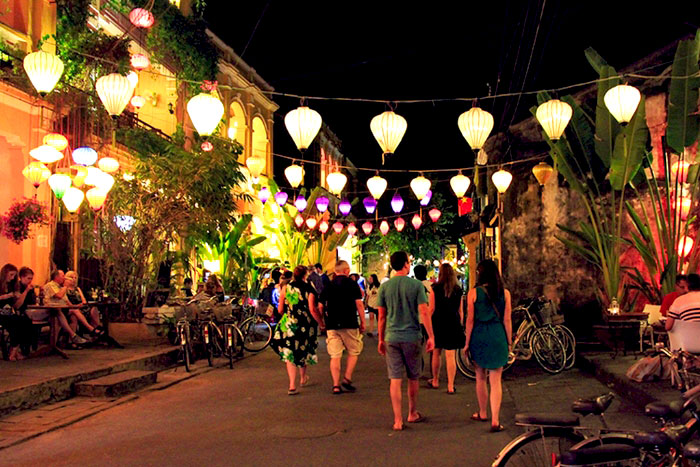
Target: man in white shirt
column 686, row 307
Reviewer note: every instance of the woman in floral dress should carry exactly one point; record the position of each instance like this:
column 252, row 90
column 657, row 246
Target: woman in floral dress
column 296, row 336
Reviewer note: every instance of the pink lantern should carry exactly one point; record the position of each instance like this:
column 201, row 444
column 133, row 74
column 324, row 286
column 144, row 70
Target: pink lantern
column 367, row 227
column 141, row 18
column 338, row 227
column 384, row 227
column 435, row 214
column 397, row 203
column 685, row 246
column 299, row 221
column 300, row 203
column 352, row 230
column 345, row 207
column 322, row 204
column 207, row 146
column 263, row 195
column 426, row 199
column 311, row 223
column 281, row 197
column 416, row 221
column 399, row 224
column 140, row 62
column 323, row 226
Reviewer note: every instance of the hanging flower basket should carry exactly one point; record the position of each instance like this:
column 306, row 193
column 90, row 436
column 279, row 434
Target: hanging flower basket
column 17, row 221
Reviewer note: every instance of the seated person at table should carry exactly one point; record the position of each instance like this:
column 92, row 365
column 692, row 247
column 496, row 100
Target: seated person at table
column 681, row 289
column 19, row 326
column 187, row 288
column 687, row 306
column 218, row 288
column 207, row 293
column 55, row 293
column 76, row 297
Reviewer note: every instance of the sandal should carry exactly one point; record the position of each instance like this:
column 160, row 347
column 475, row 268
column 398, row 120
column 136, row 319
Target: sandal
column 430, row 385
column 292, row 392
column 347, row 385
column 337, row 390
column 476, row 417
column 497, row 428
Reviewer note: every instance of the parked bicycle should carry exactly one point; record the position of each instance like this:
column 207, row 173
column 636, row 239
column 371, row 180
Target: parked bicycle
column 684, row 366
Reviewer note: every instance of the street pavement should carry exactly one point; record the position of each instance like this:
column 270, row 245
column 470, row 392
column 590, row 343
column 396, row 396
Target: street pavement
column 244, row 417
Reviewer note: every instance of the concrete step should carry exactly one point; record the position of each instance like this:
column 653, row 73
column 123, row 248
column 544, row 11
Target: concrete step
column 116, row 384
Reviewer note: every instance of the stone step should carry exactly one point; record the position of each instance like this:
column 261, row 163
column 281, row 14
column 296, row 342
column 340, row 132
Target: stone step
column 116, row 384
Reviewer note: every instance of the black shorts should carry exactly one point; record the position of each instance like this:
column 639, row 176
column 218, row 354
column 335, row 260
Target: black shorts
column 372, row 310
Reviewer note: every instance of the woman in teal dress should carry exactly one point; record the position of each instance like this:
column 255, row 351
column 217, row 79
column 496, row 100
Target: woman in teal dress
column 489, row 336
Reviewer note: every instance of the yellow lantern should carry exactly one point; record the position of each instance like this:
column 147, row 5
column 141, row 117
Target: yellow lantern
column 56, row 141
column 72, row 199
column 542, row 172
column 81, row 174
column 554, row 115
column 420, row 186
column 44, row 70
column 294, row 174
column 114, row 91
column 108, row 165
column 388, row 129
column 256, row 165
column 622, row 102
column 206, row 111
column 502, row 180
column 376, row 186
column 336, row 182
column 59, row 183
column 460, row 184
column 475, row 125
column 303, row 124
column 46, row 154
column 37, row 173
column 96, row 198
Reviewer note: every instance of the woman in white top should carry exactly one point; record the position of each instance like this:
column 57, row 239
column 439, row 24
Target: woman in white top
column 371, row 299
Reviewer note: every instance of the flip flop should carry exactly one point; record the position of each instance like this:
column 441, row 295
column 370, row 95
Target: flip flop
column 421, row 418
column 496, row 428
column 337, row 390
column 477, row 417
column 292, row 392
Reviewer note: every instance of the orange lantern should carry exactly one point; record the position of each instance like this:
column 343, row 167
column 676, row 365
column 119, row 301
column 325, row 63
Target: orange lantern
column 56, row 141
column 416, row 221
column 399, row 224
column 367, row 227
column 435, row 214
column 679, row 171
column 685, row 246
column 384, row 227
column 352, row 230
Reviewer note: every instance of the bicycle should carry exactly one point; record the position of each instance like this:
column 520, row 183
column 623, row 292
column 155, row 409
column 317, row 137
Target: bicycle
column 220, row 339
column 182, row 329
column 685, row 373
column 254, row 328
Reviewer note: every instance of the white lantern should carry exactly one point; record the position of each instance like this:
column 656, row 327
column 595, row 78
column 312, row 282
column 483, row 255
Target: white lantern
column 377, row 186
column 140, row 61
column 59, row 183
column 205, row 111
column 336, row 182
column 108, row 164
column 44, row 70
column 622, row 102
column 294, row 174
column 133, row 79
column 72, row 199
column 84, row 155
column 303, row 124
column 46, row 154
column 460, row 184
column 114, row 91
column 256, row 165
column 554, row 115
column 475, row 125
column 388, row 129
column 105, row 182
column 137, row 102
column 420, row 186
column 501, row 180
column 93, row 176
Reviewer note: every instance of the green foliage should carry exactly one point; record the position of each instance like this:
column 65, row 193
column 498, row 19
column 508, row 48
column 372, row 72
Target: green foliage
column 683, row 96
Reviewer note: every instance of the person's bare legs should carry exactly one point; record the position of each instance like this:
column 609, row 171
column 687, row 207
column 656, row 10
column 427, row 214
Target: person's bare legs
column 496, row 395
column 412, row 400
column 350, row 364
column 63, row 322
column 303, row 379
column 482, row 394
column 371, row 323
column 451, row 367
column 292, row 373
column 73, row 323
column 435, row 368
column 395, row 394
column 335, row 370
column 78, row 315
column 95, row 316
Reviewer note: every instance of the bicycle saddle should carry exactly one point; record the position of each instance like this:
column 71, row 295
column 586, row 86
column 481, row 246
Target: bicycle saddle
column 594, row 406
column 547, row 419
column 599, row 455
column 664, row 409
column 692, row 450
column 654, row 440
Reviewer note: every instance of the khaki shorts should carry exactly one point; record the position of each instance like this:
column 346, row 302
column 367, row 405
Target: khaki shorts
column 338, row 340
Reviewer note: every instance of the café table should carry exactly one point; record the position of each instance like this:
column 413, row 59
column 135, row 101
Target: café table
column 620, row 325
column 53, row 309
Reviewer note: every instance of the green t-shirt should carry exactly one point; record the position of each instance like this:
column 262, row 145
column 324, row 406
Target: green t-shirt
column 401, row 296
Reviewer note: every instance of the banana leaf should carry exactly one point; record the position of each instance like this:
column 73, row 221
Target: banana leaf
column 683, row 96
column 630, row 148
column 606, row 127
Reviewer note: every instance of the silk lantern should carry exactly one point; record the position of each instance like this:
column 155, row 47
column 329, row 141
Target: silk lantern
column 367, row 227
column 281, row 197
column 322, row 204
column 46, row 154
column 622, row 102
column 205, row 111
column 84, row 156
column 476, row 125
column 108, row 165
column 303, row 125
column 311, row 223
column 388, row 129
column 79, row 174
column 323, row 226
column 37, row 173
column 264, row 194
column 44, row 70
column 416, row 221
column 59, row 183
column 384, row 227
column 114, row 91
column 141, row 18
column 460, row 184
column 338, row 227
column 370, row 204
column 420, row 186
column 133, row 79
column 300, row 203
column 256, row 165
column 542, row 172
column 336, row 182
column 72, row 199
column 679, row 171
column 397, row 203
column 96, row 198
column 137, row 102
column 294, row 174
column 140, row 61
column 345, row 207
column 377, row 186
column 685, row 246
column 352, row 230
column 426, row 200
column 399, row 224
column 434, row 214
column 56, row 141
column 501, row 180
column 299, row 221
column 554, row 115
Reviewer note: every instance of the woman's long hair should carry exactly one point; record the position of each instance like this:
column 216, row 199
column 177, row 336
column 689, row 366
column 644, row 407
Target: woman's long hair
column 487, row 276
column 300, row 273
column 11, row 286
column 447, row 279
column 374, row 280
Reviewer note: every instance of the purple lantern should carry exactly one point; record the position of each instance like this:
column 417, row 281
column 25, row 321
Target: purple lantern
column 426, row 200
column 264, row 194
column 345, row 207
column 281, row 198
column 370, row 204
column 300, row 203
column 322, row 204
column 397, row 203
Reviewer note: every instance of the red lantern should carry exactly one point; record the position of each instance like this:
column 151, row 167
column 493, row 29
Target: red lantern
column 323, row 226
column 399, row 224
column 384, row 227
column 311, row 223
column 435, row 214
column 685, row 246
column 367, row 227
column 207, row 146
column 299, row 221
column 352, row 230
column 338, row 227
column 464, row 206
column 141, row 18
column 416, row 221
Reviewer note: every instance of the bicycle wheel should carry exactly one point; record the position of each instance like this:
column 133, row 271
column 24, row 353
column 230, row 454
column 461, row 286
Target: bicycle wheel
column 548, row 350
column 567, row 338
column 537, row 448
column 257, row 333
column 209, row 343
column 234, row 343
column 464, row 364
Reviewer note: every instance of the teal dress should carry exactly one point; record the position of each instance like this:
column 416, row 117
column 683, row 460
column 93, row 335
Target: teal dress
column 488, row 344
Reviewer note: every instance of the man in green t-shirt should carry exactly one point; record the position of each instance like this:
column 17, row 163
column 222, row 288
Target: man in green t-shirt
column 400, row 301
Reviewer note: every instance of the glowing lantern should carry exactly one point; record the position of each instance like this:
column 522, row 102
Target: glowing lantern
column 435, row 214
column 482, row 158
column 416, row 221
column 426, row 200
column 460, row 184
column 367, row 227
column 205, row 111
column 420, row 186
column 264, row 194
column 84, row 156
column 299, row 221
column 56, row 141
column 300, row 203
column 352, row 230
column 475, row 125
column 108, row 165
column 679, row 171
column 93, row 176
column 46, row 154
column 137, row 102
column 37, row 173
column 294, row 174
column 323, row 226
column 303, row 124
column 115, row 92
column 141, row 18
column 376, row 186
column 542, row 172
column 322, row 204
column 96, row 198
column 105, row 182
column 256, row 165
column 338, row 227
column 685, row 246
column 133, row 79
column 59, row 183
column 336, row 182
column 345, row 207
column 44, row 70
column 399, row 224
column 622, row 102
column 206, row 146
column 384, row 227
column 554, row 115
column 140, row 61
column 281, row 197
column 388, row 129
column 311, row 223
column 683, row 207
column 72, row 199
column 370, row 204
column 397, row 203
column 501, row 180
column 81, row 174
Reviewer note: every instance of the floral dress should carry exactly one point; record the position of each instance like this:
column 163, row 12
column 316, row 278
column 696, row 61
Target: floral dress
column 296, row 337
